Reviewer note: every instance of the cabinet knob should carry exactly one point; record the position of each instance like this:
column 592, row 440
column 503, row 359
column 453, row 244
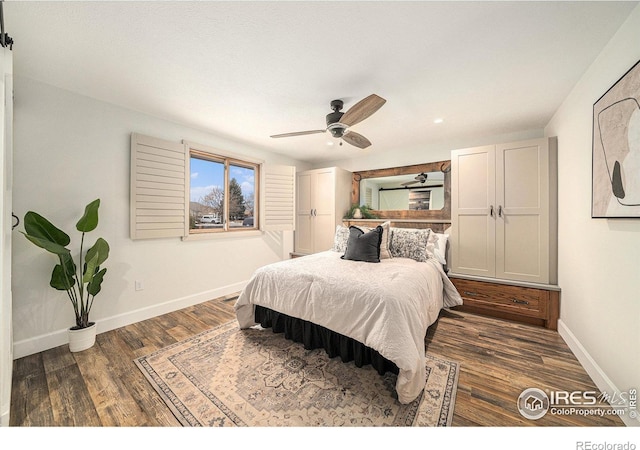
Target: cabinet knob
column 472, row 294
column 519, row 302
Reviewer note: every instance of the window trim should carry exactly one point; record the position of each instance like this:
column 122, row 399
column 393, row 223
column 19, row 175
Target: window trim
column 208, row 153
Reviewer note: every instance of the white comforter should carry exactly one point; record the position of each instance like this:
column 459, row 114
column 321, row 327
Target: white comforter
column 386, row 306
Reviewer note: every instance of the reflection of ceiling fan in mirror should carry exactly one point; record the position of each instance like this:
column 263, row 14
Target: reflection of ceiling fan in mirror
column 420, row 178
column 338, row 123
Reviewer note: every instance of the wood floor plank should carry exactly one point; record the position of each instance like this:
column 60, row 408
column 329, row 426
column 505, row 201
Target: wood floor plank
column 190, row 324
column 58, row 358
column 30, row 399
column 153, row 411
column 71, row 402
column 102, row 386
column 112, row 401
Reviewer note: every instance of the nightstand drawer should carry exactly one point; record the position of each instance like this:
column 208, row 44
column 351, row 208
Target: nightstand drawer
column 518, row 300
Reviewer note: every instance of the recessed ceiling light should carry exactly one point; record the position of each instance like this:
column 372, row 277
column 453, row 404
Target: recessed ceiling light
column 438, row 120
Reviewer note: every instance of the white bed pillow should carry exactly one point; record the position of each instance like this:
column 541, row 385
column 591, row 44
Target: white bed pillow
column 437, row 247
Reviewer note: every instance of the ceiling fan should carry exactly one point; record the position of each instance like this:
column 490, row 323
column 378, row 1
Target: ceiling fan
column 338, row 123
column 420, row 178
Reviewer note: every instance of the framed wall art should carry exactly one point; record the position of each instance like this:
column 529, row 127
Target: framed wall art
column 616, row 149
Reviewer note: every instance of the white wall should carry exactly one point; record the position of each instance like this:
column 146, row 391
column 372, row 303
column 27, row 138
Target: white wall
column 71, row 149
column 425, row 154
column 598, row 267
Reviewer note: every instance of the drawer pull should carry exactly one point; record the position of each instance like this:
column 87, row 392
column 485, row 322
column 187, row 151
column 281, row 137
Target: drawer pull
column 472, row 294
column 520, row 302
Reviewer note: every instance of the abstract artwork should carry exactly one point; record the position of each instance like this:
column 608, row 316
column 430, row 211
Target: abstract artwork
column 616, row 149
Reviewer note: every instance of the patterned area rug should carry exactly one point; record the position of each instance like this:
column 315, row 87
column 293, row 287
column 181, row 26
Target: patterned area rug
column 232, row 377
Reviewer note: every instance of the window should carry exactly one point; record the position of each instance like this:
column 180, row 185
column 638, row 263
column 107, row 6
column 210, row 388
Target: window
column 182, row 190
column 222, row 193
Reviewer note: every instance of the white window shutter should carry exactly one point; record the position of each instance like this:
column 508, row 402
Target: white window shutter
column 159, row 194
column 277, row 211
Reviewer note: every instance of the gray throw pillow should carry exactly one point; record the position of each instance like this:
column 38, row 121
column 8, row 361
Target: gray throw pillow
column 363, row 246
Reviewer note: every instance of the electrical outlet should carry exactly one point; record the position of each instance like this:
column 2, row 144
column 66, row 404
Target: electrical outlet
column 139, row 285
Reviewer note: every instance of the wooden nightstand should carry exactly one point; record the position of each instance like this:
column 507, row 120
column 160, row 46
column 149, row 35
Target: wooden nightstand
column 296, row 254
column 522, row 302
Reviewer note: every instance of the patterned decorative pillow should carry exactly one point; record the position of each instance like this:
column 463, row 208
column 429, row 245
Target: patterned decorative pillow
column 385, row 253
column 410, row 243
column 363, row 246
column 340, row 239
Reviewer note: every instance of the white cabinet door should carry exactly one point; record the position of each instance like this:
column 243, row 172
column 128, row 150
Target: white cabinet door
column 522, row 222
column 473, row 211
column 315, row 218
column 503, row 212
column 324, row 209
column 321, row 200
column 304, row 214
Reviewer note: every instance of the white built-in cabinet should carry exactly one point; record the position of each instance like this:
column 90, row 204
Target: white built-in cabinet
column 322, row 199
column 504, row 211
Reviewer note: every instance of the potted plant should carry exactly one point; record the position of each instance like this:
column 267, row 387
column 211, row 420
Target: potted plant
column 81, row 281
column 360, row 212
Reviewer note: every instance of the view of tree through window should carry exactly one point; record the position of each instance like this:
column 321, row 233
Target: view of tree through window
column 209, row 209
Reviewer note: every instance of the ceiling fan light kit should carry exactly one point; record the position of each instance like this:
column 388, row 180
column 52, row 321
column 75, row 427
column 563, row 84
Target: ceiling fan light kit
column 338, row 123
column 420, row 178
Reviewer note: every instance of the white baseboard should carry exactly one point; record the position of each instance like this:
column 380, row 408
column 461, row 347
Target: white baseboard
column 44, row 342
column 599, row 377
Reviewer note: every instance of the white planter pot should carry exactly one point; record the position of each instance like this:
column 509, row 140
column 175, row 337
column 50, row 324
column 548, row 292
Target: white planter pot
column 82, row 338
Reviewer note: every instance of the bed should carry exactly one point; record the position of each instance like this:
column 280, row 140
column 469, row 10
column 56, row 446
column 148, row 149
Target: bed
column 384, row 307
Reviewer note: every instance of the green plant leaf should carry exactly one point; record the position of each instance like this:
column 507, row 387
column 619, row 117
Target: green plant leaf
column 58, row 279
column 96, row 255
column 47, row 245
column 40, row 228
column 89, row 221
column 96, row 281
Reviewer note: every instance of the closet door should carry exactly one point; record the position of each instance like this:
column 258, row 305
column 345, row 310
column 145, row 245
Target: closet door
column 304, row 214
column 473, row 211
column 522, row 222
column 324, row 200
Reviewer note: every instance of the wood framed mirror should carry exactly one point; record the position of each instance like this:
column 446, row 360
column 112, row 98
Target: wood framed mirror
column 417, row 192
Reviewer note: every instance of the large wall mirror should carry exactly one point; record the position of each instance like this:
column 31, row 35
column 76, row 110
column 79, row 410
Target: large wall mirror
column 419, row 192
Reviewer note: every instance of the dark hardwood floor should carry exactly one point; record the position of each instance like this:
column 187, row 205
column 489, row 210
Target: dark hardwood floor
column 103, row 387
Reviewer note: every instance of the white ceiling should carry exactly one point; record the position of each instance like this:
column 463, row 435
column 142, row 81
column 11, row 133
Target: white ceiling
column 247, row 70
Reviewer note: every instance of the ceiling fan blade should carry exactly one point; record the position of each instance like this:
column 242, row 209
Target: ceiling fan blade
column 409, row 183
column 363, row 109
column 355, row 139
column 298, row 133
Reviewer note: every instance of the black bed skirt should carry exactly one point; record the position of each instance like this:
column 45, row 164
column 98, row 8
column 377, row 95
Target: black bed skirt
column 315, row 336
